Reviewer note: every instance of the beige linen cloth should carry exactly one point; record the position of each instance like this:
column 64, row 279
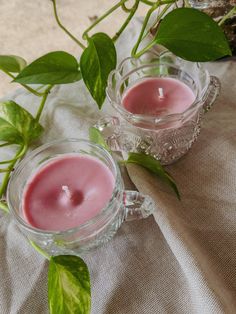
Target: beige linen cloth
column 182, row 260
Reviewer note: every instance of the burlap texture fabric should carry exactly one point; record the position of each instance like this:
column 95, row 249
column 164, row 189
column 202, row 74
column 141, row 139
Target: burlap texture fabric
column 182, row 260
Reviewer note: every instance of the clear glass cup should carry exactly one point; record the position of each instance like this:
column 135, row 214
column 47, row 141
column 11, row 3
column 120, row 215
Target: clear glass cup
column 166, row 137
column 123, row 205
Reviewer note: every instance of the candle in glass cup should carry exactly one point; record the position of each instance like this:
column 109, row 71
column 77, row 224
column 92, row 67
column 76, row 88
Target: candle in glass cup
column 66, row 192
column 156, row 96
column 68, row 197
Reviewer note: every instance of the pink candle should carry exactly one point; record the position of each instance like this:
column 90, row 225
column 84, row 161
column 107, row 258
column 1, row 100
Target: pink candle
column 67, row 192
column 155, row 96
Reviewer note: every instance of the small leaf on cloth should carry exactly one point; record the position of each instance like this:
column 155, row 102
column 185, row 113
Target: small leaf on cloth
column 192, row 35
column 96, row 62
column 68, row 285
column 96, row 137
column 154, row 166
column 56, row 67
column 17, row 126
column 12, row 63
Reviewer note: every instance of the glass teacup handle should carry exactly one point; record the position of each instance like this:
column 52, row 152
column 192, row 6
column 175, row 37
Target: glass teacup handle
column 121, row 138
column 111, row 131
column 137, row 205
column 212, row 93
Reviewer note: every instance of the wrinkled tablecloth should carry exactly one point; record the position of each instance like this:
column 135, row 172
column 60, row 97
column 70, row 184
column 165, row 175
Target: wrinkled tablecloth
column 182, row 260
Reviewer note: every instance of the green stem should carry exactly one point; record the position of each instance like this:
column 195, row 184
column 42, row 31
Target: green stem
column 63, row 27
column 166, row 8
column 4, row 170
column 5, row 144
column 186, row 4
column 147, row 17
column 132, row 12
column 12, row 160
column 39, row 250
column 149, row 46
column 6, row 161
column 125, row 9
column 40, row 87
column 9, row 74
column 176, row 5
column 41, row 106
column 115, row 7
column 4, row 207
column 145, row 22
column 158, row 19
column 148, row 2
column 20, row 153
column 227, row 16
column 33, row 91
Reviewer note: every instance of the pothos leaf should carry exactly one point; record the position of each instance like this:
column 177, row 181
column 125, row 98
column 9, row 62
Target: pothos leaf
column 12, row 63
column 146, row 161
column 96, row 62
column 96, row 137
column 192, row 35
column 56, row 67
column 68, row 285
column 17, row 126
column 153, row 165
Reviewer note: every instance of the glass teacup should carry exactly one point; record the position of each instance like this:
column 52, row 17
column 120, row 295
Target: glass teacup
column 123, row 205
column 167, row 137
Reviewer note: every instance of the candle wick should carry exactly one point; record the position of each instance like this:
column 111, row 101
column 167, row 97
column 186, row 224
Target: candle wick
column 66, row 189
column 161, row 93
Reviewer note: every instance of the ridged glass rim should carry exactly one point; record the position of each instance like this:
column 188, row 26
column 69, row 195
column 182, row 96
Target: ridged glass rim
column 162, row 118
column 83, row 226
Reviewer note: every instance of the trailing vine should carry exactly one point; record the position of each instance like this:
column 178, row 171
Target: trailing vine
column 19, row 128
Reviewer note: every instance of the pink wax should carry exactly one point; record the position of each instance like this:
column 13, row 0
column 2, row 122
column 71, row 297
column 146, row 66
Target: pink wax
column 67, row 192
column 155, row 96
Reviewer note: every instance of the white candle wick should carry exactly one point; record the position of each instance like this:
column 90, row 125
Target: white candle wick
column 161, row 93
column 66, row 189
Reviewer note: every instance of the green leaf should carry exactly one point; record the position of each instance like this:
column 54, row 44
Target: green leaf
column 17, row 126
column 68, row 285
column 96, row 62
column 56, row 67
column 153, row 165
column 4, row 206
column 192, row 35
column 12, row 63
column 96, row 137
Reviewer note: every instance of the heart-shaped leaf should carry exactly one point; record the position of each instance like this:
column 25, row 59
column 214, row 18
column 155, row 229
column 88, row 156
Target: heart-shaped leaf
column 17, row 126
column 68, row 285
column 96, row 62
column 12, row 63
column 56, row 67
column 192, row 35
column 153, row 165
column 96, row 137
